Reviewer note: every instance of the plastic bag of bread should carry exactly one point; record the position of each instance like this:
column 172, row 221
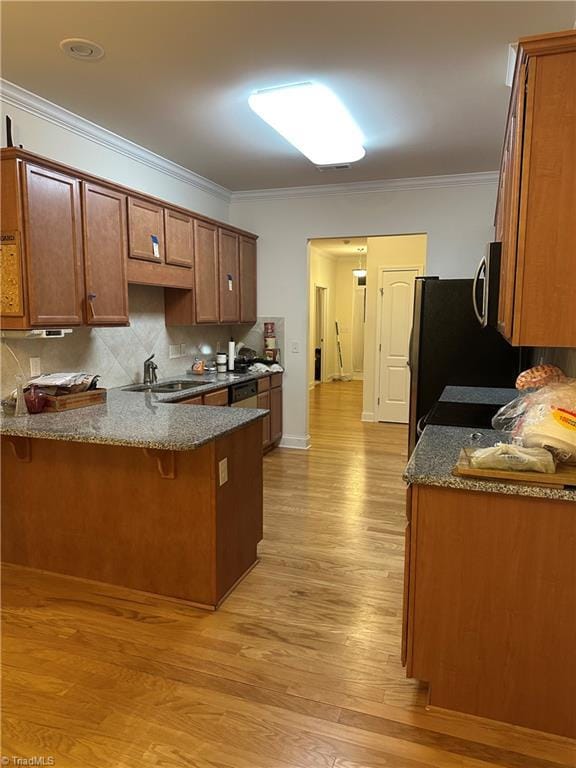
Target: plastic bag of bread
column 513, row 458
column 539, row 376
column 545, row 418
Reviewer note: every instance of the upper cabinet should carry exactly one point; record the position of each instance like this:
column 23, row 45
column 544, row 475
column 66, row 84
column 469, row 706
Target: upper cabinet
column 206, row 273
column 247, row 279
column 71, row 244
column 146, row 230
column 179, row 238
column 105, row 251
column 228, row 276
column 53, row 237
column 536, row 211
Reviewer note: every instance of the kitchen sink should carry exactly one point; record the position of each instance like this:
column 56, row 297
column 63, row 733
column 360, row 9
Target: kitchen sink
column 165, row 387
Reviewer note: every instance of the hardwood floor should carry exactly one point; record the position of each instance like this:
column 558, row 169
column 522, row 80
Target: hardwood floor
column 298, row 669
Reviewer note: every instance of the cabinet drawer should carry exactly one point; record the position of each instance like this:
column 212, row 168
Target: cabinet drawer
column 264, row 385
column 199, row 400
column 220, row 397
column 276, row 380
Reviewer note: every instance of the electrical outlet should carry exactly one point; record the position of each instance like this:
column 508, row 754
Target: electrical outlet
column 295, row 347
column 35, row 367
column 173, row 351
column 223, row 471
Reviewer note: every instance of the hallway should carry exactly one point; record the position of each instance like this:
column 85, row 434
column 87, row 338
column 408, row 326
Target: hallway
column 299, row 668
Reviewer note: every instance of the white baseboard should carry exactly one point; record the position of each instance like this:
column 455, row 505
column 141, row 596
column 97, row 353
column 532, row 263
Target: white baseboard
column 293, row 441
column 367, row 416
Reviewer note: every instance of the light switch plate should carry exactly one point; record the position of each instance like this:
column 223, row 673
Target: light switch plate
column 35, row 367
column 223, row 471
column 295, row 347
column 173, row 351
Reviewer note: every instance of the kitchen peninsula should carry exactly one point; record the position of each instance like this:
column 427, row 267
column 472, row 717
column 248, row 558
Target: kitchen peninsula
column 139, row 492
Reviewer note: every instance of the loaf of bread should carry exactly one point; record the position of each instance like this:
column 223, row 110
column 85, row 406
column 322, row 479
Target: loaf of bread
column 539, row 376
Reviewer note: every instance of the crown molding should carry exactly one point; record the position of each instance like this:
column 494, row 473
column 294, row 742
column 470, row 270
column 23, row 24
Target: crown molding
column 16, row 96
column 367, row 187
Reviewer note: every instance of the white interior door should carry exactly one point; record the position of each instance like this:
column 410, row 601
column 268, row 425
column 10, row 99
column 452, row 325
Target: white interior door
column 396, row 308
column 320, row 333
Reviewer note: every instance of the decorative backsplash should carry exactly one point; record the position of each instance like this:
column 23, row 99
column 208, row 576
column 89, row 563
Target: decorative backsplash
column 118, row 354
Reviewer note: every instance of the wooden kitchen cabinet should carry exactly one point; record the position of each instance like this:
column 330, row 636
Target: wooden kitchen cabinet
column 105, row 253
column 276, row 412
column 228, row 276
column 490, row 588
column 536, row 209
column 247, row 268
column 145, row 223
column 63, row 235
column 264, row 402
column 179, row 238
column 206, row 272
column 220, row 397
column 53, row 237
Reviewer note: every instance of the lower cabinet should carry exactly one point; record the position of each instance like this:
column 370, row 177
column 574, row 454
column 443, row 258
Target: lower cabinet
column 489, row 620
column 276, row 413
column 264, row 402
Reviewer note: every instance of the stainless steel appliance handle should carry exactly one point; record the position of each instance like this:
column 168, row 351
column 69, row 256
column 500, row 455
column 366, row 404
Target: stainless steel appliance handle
column 481, row 268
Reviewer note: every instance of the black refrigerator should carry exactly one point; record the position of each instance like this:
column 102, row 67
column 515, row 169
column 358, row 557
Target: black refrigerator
column 448, row 346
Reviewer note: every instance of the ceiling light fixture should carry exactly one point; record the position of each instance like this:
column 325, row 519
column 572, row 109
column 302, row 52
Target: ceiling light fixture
column 360, row 271
column 79, row 48
column 313, row 119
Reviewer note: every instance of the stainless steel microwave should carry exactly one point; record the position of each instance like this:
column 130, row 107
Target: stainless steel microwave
column 486, row 287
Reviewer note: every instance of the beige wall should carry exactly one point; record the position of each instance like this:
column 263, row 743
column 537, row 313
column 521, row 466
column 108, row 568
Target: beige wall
column 392, row 251
column 323, row 274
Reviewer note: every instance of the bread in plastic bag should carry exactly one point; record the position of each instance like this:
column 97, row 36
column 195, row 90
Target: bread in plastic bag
column 545, row 418
column 513, row 458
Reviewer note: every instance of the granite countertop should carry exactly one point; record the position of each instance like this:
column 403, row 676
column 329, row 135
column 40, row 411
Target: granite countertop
column 482, row 395
column 142, row 419
column 438, row 450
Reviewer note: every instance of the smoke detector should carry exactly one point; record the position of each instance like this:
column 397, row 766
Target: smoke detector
column 79, row 48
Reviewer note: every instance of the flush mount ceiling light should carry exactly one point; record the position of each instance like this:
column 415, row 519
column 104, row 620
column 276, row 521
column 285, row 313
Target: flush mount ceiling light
column 313, row 119
column 79, row 48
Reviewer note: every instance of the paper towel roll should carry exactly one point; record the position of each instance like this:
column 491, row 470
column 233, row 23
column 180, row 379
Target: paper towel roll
column 231, row 355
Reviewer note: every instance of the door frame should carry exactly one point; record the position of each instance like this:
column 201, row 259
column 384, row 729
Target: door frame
column 418, row 269
column 326, row 295
column 355, row 289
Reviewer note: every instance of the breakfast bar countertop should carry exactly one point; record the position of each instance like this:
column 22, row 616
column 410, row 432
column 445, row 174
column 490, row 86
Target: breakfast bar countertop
column 438, row 450
column 138, row 419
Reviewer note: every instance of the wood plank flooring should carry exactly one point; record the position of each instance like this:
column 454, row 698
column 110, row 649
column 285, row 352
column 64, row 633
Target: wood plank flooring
column 299, row 668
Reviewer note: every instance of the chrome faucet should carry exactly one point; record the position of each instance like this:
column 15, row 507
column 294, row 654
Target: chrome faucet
column 150, row 368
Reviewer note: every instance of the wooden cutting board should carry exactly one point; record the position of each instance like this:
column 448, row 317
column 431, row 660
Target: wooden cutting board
column 564, row 477
column 56, row 403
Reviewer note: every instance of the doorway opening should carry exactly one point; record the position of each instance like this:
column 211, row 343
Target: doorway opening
column 321, row 308
column 360, row 318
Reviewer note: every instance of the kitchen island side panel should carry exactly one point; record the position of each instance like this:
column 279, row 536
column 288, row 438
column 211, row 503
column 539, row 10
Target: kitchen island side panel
column 105, row 513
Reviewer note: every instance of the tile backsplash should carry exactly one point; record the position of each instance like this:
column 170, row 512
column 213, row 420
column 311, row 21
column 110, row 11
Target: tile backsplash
column 118, row 354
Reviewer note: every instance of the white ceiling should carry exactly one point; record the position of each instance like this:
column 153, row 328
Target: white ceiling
column 424, row 80
column 355, row 247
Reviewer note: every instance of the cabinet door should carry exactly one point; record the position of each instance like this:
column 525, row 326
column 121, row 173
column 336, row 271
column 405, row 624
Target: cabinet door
column 264, row 402
column 512, row 164
column 105, row 252
column 228, row 271
column 53, row 234
column 146, row 228
column 275, row 414
column 179, row 233
column 220, row 397
column 206, row 271
column 247, row 280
